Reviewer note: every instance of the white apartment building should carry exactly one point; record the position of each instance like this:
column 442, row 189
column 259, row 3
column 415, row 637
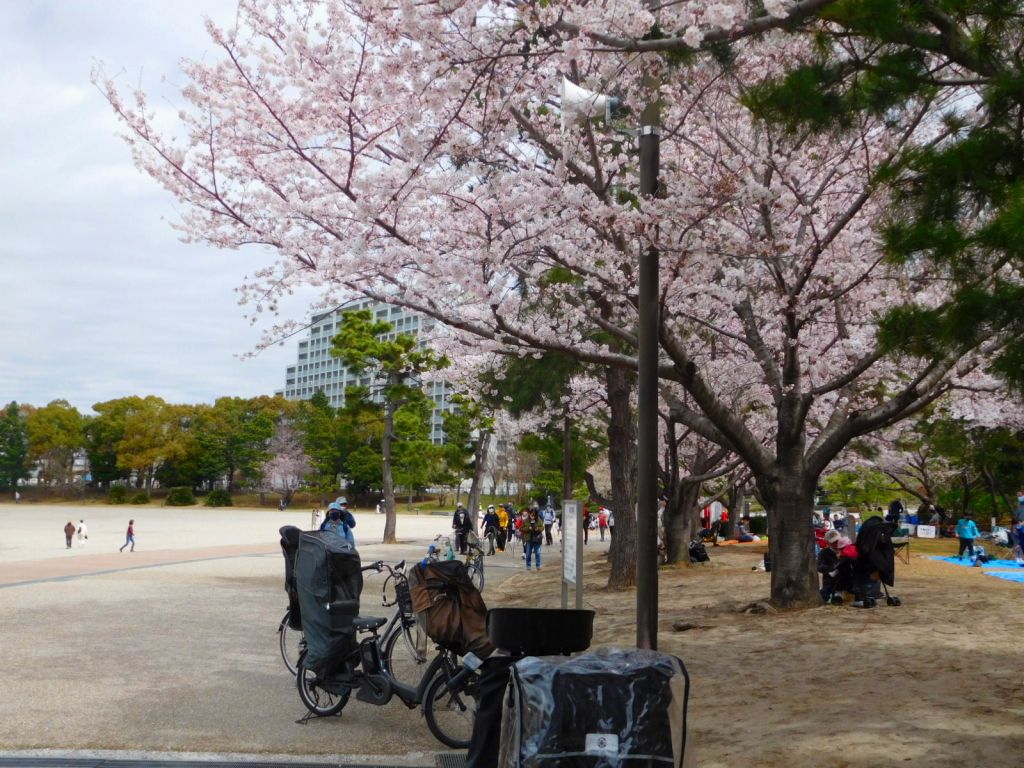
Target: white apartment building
column 316, row 370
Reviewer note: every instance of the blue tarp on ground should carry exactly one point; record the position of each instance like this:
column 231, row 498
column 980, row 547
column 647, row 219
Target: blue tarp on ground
column 966, row 563
column 1008, row 575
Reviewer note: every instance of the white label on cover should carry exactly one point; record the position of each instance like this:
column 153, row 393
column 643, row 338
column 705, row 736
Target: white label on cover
column 602, row 744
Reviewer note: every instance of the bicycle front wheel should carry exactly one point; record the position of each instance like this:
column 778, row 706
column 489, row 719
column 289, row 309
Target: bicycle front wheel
column 402, row 654
column 316, row 698
column 451, row 712
column 476, row 575
column 292, row 643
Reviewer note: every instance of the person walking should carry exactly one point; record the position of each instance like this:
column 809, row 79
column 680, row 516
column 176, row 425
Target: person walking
column 502, row 531
column 513, row 519
column 586, row 523
column 129, row 537
column 967, row 532
column 532, row 531
column 490, row 526
column 83, row 533
column 549, row 521
column 611, row 523
column 462, row 525
column 69, row 533
column 602, row 521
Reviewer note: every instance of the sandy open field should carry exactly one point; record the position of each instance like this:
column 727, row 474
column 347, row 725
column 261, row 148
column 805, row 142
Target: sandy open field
column 935, row 682
column 172, row 650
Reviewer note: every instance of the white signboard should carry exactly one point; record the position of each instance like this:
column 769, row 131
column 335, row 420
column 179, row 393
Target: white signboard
column 572, row 545
column 926, row 531
column 570, row 526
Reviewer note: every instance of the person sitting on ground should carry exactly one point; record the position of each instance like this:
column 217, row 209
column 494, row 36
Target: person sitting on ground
column 743, row 534
column 1017, row 539
column 835, row 564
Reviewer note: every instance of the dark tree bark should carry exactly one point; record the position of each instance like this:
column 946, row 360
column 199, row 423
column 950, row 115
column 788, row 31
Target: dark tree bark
column 391, row 513
column 483, row 446
column 622, row 552
column 790, row 499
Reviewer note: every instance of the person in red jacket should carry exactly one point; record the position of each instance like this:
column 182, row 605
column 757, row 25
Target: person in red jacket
column 835, row 563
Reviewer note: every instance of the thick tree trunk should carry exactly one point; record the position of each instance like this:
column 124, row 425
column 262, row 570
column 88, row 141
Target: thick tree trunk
column 735, row 504
column 681, row 522
column 483, row 445
column 390, row 512
column 622, row 551
column 791, row 540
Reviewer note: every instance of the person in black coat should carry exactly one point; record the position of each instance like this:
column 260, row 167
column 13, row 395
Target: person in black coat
column 462, row 525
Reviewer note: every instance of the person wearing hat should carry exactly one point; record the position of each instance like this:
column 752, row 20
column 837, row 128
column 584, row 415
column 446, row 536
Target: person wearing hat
column 835, row 563
column 967, row 532
column 337, row 522
column 347, row 516
column 490, row 527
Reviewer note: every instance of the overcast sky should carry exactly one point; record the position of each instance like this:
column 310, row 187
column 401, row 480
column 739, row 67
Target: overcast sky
column 98, row 298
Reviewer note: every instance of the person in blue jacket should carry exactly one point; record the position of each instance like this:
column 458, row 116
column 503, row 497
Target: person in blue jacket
column 338, row 521
column 967, row 532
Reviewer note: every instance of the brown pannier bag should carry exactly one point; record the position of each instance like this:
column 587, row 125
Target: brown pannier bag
column 449, row 607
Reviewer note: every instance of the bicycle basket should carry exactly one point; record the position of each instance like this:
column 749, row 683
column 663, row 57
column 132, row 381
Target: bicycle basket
column 472, row 538
column 403, row 596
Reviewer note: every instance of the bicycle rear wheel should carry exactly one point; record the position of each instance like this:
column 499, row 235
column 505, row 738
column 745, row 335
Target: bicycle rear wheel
column 451, row 712
column 291, row 642
column 316, row 698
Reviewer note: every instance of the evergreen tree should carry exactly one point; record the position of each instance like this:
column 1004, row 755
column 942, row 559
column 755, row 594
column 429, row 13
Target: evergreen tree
column 399, row 361
column 13, row 447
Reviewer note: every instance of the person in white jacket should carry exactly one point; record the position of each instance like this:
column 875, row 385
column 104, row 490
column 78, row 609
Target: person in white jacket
column 83, row 533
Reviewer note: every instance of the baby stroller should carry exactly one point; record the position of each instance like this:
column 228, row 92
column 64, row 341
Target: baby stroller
column 869, row 574
column 875, row 569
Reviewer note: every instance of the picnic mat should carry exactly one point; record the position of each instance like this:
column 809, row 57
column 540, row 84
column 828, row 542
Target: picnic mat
column 1008, row 575
column 966, row 563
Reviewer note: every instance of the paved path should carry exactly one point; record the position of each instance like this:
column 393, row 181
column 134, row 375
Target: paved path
column 172, row 650
column 24, row 573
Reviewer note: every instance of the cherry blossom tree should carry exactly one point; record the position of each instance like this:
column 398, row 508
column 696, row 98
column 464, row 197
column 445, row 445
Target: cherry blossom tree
column 457, row 188
column 287, row 467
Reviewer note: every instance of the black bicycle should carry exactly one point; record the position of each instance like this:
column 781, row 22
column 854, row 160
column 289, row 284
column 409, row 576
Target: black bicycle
column 447, row 689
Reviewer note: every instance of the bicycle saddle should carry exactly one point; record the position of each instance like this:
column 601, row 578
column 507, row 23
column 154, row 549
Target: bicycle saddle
column 367, row 623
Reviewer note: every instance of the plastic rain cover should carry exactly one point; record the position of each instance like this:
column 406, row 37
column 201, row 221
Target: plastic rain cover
column 609, row 708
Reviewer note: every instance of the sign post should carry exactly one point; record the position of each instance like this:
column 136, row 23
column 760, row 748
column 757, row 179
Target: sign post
column 572, row 547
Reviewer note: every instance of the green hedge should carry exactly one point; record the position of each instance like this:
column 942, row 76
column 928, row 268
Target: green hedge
column 180, row 497
column 218, row 498
column 140, row 498
column 118, row 494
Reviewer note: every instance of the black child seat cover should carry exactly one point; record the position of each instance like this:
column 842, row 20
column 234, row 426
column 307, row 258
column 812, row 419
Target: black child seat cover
column 611, row 708
column 289, row 548
column 327, row 570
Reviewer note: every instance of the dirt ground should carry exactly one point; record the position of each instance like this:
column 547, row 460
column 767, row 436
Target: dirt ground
column 934, row 682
